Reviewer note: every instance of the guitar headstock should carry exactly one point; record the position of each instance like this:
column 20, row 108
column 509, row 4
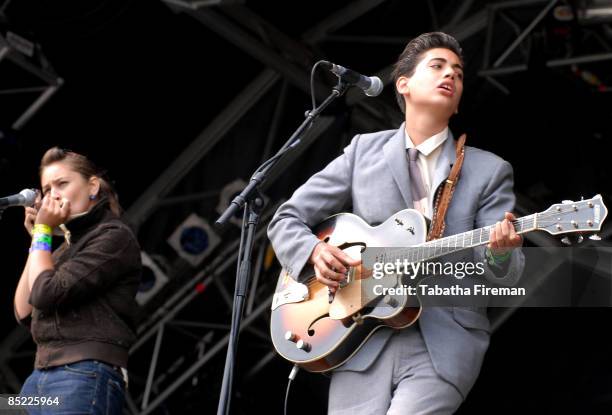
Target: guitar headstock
column 583, row 216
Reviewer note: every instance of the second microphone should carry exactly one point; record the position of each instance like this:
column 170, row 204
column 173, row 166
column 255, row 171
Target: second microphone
column 372, row 86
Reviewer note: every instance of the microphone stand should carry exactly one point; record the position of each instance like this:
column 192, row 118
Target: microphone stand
column 250, row 198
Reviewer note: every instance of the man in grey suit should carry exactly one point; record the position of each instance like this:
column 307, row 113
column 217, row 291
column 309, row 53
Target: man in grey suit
column 429, row 367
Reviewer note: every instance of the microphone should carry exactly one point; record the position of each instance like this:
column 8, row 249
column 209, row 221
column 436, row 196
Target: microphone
column 27, row 197
column 372, row 86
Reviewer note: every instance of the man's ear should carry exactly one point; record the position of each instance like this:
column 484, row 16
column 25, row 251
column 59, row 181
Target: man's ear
column 402, row 85
column 94, row 185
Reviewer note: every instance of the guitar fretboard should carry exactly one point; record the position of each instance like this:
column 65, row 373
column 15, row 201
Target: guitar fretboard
column 447, row 245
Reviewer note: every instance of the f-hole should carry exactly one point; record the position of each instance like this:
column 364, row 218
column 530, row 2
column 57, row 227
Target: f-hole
column 311, row 331
column 350, row 244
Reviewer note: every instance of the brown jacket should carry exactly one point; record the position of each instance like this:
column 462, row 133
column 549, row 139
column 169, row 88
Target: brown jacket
column 85, row 308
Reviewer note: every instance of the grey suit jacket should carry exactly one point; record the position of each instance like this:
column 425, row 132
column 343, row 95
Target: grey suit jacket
column 372, row 177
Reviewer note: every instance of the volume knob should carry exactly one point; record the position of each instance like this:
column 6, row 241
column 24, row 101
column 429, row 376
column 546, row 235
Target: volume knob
column 291, row 336
column 302, row 345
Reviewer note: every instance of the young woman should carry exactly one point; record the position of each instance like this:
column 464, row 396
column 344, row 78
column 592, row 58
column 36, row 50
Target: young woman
column 79, row 299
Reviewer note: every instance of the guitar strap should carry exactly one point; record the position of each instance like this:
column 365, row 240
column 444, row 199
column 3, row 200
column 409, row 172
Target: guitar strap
column 445, row 194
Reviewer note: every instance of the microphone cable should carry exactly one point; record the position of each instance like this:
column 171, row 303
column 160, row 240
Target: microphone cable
column 312, row 85
column 292, row 374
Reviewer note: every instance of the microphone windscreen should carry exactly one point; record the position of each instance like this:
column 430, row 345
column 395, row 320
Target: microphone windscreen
column 29, row 195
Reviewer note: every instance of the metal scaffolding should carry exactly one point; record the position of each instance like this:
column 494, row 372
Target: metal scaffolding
column 50, row 81
column 497, row 17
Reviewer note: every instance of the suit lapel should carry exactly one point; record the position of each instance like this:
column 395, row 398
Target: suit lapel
column 395, row 155
column 443, row 165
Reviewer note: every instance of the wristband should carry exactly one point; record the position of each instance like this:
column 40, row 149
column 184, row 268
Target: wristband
column 40, row 246
column 493, row 259
column 42, row 237
column 42, row 228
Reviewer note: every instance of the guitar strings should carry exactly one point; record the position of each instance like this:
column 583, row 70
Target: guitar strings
column 522, row 221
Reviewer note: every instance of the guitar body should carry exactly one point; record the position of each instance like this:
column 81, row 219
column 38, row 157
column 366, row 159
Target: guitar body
column 331, row 333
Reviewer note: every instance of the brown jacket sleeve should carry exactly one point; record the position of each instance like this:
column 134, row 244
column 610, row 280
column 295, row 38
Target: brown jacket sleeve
column 99, row 262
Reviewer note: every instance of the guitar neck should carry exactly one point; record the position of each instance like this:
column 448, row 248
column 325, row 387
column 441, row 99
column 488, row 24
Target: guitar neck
column 449, row 244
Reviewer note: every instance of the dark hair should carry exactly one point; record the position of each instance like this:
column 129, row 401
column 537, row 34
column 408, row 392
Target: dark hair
column 85, row 168
column 413, row 52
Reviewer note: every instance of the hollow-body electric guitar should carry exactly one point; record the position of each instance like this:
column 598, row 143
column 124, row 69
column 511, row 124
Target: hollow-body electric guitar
column 319, row 335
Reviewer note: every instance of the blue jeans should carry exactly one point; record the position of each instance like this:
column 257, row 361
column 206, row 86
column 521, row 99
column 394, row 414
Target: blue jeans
column 86, row 387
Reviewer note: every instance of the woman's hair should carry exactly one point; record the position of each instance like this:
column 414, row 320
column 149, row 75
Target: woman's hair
column 411, row 56
column 85, row 168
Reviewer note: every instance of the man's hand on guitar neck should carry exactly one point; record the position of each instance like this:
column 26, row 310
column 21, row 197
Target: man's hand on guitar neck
column 504, row 237
column 502, row 241
column 331, row 264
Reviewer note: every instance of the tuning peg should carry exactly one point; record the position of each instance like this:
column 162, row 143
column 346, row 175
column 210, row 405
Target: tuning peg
column 580, row 239
column 595, row 237
column 566, row 240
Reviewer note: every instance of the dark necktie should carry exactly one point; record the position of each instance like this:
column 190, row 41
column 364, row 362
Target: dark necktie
column 419, row 193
